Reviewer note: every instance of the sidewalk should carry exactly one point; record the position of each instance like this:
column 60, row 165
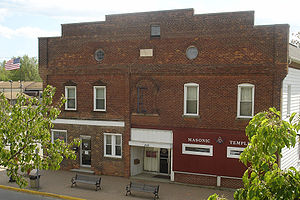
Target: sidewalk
column 113, row 188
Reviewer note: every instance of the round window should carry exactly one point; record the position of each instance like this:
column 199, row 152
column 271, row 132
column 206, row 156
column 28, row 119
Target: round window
column 99, row 55
column 192, row 52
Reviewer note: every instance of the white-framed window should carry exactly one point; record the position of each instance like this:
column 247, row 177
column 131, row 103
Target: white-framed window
column 234, row 152
column 197, row 149
column 191, row 99
column 58, row 134
column 112, row 145
column 289, row 97
column 245, row 105
column 99, row 98
column 70, row 93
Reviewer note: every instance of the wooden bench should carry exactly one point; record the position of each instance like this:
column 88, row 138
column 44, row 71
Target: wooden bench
column 81, row 178
column 143, row 188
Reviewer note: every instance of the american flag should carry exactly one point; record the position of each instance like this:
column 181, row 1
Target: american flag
column 12, row 64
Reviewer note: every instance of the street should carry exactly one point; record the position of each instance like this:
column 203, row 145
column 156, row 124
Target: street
column 14, row 195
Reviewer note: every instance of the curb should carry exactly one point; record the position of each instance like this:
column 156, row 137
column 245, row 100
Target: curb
column 40, row 193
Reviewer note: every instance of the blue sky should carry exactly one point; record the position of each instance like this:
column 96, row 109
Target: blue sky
column 23, row 21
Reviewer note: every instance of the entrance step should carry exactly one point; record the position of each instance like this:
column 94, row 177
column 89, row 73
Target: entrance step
column 83, row 170
column 152, row 177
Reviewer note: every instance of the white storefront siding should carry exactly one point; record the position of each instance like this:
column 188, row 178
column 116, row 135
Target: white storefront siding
column 290, row 157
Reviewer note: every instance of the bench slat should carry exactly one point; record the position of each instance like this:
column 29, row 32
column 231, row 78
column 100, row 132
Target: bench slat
column 143, row 188
column 80, row 178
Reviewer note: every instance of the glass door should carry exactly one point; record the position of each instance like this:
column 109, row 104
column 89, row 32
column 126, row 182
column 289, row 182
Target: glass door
column 164, row 161
column 85, row 151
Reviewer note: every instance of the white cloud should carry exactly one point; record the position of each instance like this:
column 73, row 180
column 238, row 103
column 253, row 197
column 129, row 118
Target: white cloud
column 3, row 13
column 26, row 32
column 6, row 32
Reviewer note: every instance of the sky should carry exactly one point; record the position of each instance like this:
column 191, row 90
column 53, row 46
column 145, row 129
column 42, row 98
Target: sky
column 23, row 21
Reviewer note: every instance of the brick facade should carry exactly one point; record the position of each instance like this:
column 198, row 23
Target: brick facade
column 231, row 51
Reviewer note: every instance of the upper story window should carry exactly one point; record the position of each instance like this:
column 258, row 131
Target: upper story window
column 70, row 93
column 59, row 135
column 99, row 98
column 155, row 30
column 112, row 145
column 245, row 101
column 99, row 55
column 191, row 99
column 140, row 100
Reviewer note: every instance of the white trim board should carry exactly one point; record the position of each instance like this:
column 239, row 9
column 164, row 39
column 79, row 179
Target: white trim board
column 89, row 122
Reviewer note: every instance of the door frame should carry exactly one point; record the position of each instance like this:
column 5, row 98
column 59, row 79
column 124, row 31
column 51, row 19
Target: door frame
column 80, row 155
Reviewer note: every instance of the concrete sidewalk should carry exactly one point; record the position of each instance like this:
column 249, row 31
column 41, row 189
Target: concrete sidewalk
column 113, row 188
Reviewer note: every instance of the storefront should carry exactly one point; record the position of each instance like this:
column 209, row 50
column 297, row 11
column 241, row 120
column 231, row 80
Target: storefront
column 208, row 157
column 151, row 151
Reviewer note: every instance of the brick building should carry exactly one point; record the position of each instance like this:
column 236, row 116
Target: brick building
column 165, row 92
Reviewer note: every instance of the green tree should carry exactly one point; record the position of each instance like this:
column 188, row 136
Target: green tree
column 268, row 135
column 28, row 71
column 25, row 130
column 264, row 180
column 3, row 72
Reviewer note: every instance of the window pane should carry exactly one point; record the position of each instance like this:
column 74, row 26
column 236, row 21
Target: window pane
column 108, row 150
column 246, row 94
column 118, row 140
column 71, row 103
column 71, row 93
column 108, row 139
column 118, row 150
column 60, row 136
column 99, row 103
column 235, row 152
column 155, row 30
column 246, row 109
column 99, row 93
column 191, row 93
column 191, row 107
column 197, row 149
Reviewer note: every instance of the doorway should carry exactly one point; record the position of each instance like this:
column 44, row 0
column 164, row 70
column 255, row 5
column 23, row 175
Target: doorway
column 85, row 151
column 164, row 161
column 157, row 160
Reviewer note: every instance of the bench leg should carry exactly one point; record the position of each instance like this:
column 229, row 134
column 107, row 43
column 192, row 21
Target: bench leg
column 73, row 182
column 98, row 187
column 128, row 191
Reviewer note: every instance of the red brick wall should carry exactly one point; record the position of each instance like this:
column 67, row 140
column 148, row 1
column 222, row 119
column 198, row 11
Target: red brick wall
column 231, row 51
column 217, row 104
column 232, row 183
column 99, row 163
column 195, row 179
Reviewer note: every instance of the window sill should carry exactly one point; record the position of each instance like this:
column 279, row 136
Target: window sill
column 243, row 118
column 103, row 111
column 71, row 110
column 145, row 114
column 190, row 116
column 113, row 157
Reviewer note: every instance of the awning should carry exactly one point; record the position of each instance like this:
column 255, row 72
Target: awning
column 151, row 138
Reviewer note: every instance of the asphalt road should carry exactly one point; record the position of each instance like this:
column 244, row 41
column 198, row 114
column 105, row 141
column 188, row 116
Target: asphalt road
column 14, row 195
